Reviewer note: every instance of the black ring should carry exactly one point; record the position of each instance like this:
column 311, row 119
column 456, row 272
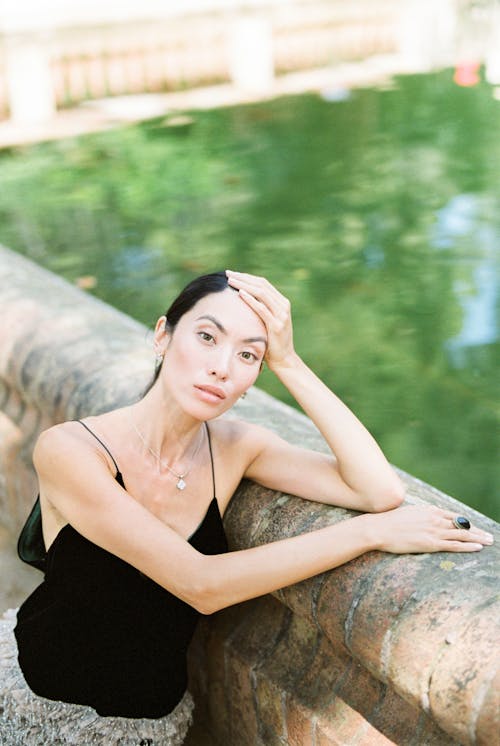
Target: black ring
column 461, row 522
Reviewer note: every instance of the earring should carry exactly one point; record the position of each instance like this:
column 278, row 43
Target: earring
column 159, row 358
column 243, row 396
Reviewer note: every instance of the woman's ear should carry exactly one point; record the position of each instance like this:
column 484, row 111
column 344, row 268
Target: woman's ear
column 161, row 324
column 162, row 334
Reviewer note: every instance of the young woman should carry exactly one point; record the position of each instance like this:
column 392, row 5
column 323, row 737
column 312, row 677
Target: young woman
column 132, row 504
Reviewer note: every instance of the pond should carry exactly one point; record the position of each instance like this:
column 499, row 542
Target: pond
column 376, row 212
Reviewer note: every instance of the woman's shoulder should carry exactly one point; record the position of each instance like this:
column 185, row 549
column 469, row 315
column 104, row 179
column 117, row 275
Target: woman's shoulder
column 239, row 435
column 63, row 440
column 55, row 436
column 58, row 436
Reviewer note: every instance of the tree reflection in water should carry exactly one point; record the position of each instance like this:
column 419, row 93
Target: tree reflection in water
column 377, row 215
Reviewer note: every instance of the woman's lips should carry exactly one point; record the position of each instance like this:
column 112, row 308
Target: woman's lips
column 210, row 394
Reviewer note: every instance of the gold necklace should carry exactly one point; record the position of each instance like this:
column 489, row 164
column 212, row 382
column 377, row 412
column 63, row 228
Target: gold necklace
column 180, row 484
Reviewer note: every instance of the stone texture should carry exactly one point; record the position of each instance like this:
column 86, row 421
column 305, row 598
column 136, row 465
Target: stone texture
column 270, row 700
column 242, row 715
column 18, row 580
column 434, row 620
column 323, row 678
column 394, row 717
column 299, row 726
column 484, row 723
column 460, row 680
column 360, row 690
column 368, row 629
column 346, row 727
column 385, row 649
column 341, row 591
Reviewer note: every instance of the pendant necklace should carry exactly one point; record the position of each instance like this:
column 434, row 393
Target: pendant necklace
column 180, row 484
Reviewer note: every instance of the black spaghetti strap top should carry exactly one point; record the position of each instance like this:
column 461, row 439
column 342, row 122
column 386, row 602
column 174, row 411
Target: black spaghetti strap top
column 98, row 632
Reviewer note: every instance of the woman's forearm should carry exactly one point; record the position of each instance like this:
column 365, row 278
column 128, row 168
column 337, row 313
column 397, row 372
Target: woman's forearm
column 226, row 579
column 360, row 461
column 248, row 573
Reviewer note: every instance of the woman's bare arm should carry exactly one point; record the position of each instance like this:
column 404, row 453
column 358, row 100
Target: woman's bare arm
column 369, row 481
column 77, row 482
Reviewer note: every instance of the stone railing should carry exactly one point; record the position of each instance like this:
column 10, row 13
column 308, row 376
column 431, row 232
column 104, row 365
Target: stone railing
column 72, row 59
column 386, row 649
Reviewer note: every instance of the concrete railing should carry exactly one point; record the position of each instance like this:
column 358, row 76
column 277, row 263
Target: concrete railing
column 386, row 649
column 50, row 63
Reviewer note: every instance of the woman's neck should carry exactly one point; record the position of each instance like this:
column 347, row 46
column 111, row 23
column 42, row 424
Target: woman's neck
column 167, row 430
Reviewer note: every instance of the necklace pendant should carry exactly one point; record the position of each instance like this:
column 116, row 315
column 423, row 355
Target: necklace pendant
column 181, row 484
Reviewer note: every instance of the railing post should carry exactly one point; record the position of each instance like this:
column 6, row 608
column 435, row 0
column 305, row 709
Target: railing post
column 427, row 33
column 29, row 80
column 250, row 53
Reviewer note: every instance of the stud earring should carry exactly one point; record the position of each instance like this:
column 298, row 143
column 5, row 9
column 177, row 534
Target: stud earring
column 243, row 396
column 159, row 358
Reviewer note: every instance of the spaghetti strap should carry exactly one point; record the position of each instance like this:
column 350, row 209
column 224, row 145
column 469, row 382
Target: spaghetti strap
column 118, row 473
column 211, row 456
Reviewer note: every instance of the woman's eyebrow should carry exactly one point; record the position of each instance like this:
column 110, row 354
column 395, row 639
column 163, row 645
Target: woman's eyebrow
column 214, row 321
column 250, row 340
column 219, row 326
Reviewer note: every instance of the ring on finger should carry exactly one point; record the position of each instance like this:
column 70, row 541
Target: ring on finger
column 460, row 521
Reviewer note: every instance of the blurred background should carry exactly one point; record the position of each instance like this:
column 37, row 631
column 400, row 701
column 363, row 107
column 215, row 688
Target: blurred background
column 348, row 150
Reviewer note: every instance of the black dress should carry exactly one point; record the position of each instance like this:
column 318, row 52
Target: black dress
column 98, row 632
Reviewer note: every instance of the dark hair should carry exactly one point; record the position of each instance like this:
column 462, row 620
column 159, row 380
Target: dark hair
column 187, row 298
column 192, row 293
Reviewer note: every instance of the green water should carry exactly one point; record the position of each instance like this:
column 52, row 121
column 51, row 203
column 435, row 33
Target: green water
column 378, row 216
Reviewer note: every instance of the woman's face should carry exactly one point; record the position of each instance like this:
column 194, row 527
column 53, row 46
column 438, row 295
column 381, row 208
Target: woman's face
column 214, row 354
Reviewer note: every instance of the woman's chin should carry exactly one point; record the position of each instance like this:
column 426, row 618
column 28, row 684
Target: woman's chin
column 202, row 411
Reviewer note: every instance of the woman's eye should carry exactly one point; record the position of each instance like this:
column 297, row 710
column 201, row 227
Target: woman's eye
column 206, row 337
column 248, row 356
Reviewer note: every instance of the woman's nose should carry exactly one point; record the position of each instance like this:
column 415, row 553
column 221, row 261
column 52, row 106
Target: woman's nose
column 219, row 365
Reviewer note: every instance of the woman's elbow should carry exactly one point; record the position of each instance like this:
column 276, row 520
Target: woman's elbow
column 390, row 497
column 203, row 594
column 206, row 607
column 206, row 603
column 203, row 601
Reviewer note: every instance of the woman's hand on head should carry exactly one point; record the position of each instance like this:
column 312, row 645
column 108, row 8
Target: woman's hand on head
column 274, row 310
column 424, row 528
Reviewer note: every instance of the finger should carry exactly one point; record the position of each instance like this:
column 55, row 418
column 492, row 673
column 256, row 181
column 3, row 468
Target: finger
column 246, row 276
column 459, row 546
column 277, row 322
column 277, row 310
column 469, row 535
column 253, row 280
column 260, row 308
column 449, row 515
column 455, row 534
column 259, row 287
column 257, row 284
column 473, row 533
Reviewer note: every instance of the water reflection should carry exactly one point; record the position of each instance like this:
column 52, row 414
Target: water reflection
column 462, row 219
column 479, row 324
column 377, row 215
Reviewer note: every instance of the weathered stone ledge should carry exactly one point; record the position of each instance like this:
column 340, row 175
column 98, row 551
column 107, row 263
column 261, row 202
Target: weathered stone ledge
column 386, row 649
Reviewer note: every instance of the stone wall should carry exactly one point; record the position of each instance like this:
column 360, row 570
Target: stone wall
column 386, row 649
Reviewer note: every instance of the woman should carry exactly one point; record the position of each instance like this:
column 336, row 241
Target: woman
column 132, row 502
